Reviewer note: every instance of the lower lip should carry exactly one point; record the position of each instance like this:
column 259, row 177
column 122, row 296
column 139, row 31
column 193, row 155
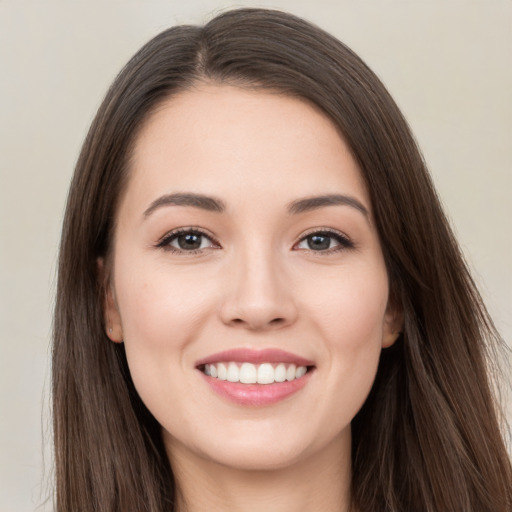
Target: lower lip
column 256, row 395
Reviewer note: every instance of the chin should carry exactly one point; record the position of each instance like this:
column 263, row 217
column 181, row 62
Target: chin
column 258, row 458
column 262, row 450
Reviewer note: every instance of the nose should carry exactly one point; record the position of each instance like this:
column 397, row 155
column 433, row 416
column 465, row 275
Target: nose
column 257, row 295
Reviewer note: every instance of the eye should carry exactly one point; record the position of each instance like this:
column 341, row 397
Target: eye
column 326, row 241
column 187, row 240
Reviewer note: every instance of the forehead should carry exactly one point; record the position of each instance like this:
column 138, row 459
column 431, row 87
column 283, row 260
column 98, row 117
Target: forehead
column 242, row 145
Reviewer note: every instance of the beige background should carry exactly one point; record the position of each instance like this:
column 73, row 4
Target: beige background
column 446, row 62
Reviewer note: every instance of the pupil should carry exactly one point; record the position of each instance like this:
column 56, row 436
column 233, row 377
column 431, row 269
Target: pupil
column 189, row 241
column 319, row 242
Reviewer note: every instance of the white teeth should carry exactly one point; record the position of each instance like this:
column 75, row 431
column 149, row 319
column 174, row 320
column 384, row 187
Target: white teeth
column 301, row 371
column 233, row 373
column 248, row 373
column 280, row 373
column 265, row 373
column 290, row 373
column 222, row 372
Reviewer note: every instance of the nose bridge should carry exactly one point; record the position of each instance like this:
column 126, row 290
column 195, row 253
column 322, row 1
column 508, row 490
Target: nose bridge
column 257, row 296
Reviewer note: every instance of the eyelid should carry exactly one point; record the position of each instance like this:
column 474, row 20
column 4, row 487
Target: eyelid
column 345, row 242
column 164, row 241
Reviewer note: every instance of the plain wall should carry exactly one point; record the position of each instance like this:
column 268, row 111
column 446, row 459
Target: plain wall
column 446, row 62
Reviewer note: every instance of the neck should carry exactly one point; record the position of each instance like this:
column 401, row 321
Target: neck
column 318, row 483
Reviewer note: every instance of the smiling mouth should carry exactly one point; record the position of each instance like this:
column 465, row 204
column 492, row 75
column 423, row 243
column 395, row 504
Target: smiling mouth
column 249, row 373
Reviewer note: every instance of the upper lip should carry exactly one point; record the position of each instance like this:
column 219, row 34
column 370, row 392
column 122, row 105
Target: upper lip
column 247, row 355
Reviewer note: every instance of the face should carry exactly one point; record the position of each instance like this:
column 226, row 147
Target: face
column 248, row 281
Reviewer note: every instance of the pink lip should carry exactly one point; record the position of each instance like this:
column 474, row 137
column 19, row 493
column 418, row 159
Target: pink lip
column 255, row 394
column 269, row 355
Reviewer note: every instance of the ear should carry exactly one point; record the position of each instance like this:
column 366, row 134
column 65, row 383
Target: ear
column 112, row 318
column 393, row 323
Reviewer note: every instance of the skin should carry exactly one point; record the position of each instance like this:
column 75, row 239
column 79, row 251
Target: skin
column 256, row 283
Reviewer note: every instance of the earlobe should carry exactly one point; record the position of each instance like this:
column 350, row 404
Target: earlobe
column 393, row 325
column 112, row 318
column 390, row 338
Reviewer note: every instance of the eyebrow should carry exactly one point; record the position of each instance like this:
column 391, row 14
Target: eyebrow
column 216, row 205
column 307, row 204
column 201, row 201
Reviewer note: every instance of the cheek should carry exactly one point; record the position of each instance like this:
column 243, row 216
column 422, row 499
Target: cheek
column 162, row 313
column 351, row 310
column 158, row 303
column 350, row 319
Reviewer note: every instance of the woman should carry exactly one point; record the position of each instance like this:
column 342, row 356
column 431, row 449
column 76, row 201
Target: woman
column 260, row 303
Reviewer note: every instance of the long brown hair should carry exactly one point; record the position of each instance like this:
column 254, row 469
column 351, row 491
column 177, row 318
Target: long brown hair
column 428, row 436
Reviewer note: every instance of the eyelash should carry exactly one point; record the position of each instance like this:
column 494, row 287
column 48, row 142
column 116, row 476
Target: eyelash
column 343, row 241
column 165, row 241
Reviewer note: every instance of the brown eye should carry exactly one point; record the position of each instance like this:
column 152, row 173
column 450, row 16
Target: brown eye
column 319, row 242
column 186, row 240
column 325, row 241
